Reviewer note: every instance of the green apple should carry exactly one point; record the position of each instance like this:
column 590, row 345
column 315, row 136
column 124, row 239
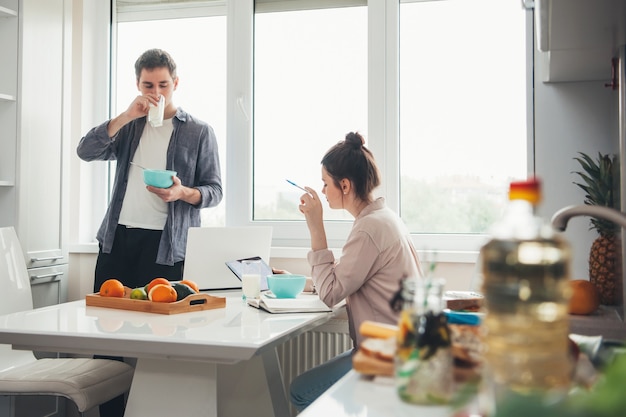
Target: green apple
column 139, row 294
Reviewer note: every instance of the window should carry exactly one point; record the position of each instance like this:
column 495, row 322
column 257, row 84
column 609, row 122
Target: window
column 461, row 90
column 310, row 89
column 201, row 68
column 430, row 84
column 463, row 133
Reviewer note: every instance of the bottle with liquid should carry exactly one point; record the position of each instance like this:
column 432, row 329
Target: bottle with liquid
column 424, row 363
column 525, row 274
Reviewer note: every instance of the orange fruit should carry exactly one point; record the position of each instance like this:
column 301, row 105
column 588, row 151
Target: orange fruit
column 192, row 284
column 112, row 288
column 163, row 329
column 162, row 293
column 156, row 281
column 109, row 325
column 585, row 298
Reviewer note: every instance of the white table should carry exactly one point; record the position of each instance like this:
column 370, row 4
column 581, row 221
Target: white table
column 358, row 396
column 204, row 363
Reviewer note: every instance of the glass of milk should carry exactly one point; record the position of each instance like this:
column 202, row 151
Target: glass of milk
column 155, row 113
column 251, row 278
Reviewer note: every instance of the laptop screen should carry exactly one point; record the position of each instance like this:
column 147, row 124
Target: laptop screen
column 209, row 248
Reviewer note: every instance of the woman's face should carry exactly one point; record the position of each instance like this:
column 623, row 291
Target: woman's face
column 333, row 194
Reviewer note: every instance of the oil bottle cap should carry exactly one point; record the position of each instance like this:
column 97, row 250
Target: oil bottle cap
column 529, row 190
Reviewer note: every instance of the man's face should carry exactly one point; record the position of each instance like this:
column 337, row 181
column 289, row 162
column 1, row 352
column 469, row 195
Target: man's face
column 157, row 82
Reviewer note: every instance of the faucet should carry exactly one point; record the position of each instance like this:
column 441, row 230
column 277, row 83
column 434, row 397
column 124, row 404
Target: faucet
column 561, row 217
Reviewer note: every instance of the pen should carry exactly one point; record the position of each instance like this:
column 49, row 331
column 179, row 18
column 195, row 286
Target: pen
column 296, row 185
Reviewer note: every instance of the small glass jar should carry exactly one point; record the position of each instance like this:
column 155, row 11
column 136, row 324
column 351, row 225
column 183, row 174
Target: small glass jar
column 424, row 363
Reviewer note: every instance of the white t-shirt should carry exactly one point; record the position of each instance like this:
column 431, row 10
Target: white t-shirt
column 141, row 208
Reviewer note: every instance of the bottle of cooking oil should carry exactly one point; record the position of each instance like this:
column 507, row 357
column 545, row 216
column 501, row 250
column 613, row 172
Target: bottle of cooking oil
column 525, row 273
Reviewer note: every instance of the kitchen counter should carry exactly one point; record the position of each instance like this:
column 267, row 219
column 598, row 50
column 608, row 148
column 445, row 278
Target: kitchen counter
column 605, row 322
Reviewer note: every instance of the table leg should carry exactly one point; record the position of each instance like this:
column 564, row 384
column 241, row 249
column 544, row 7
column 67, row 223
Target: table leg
column 166, row 387
column 275, row 383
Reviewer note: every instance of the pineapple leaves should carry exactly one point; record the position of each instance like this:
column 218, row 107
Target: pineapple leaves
column 600, row 182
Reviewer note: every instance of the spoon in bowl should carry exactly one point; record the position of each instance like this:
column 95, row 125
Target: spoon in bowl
column 137, row 165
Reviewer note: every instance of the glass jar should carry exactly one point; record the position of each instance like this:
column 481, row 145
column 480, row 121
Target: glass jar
column 424, row 363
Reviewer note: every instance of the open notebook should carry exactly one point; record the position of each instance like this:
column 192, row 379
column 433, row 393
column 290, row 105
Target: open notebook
column 303, row 303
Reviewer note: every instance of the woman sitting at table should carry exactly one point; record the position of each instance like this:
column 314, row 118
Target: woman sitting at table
column 377, row 255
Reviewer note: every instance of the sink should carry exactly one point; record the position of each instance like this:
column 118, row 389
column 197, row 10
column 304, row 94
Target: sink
column 608, row 320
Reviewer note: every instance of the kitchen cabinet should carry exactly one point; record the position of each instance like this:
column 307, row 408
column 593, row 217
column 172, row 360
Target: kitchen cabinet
column 9, row 40
column 42, row 191
column 48, row 285
column 34, row 74
column 577, row 39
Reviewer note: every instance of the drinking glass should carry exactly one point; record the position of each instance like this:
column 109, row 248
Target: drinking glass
column 251, row 278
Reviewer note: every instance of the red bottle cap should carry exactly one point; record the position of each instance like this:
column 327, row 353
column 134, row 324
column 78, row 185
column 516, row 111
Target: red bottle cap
column 529, row 190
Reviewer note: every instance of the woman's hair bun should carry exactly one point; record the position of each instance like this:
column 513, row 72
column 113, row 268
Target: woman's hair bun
column 355, row 139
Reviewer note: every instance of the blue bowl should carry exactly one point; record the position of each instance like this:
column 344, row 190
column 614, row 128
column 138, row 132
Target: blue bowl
column 160, row 178
column 286, row 285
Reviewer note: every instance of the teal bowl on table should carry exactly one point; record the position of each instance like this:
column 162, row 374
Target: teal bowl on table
column 286, row 285
column 160, row 178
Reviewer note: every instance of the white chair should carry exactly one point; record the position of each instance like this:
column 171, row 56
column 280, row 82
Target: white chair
column 87, row 382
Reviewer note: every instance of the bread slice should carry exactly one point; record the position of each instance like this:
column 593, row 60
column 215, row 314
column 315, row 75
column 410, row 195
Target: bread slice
column 463, row 300
column 368, row 365
column 377, row 330
column 383, row 349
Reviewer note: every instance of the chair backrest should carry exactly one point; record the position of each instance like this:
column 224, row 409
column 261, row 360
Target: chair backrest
column 16, row 292
column 14, row 281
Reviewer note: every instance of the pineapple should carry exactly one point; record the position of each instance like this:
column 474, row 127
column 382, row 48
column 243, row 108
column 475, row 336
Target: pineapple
column 602, row 188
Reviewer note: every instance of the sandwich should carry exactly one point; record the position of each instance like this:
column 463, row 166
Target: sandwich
column 377, row 350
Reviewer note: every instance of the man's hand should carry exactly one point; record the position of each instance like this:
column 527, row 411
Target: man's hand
column 138, row 108
column 176, row 192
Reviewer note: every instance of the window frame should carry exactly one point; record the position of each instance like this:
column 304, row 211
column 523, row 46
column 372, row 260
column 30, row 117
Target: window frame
column 291, row 238
column 383, row 126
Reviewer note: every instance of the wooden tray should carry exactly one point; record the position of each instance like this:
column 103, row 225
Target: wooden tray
column 194, row 302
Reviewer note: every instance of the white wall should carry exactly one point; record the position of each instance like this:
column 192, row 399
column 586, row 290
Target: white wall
column 571, row 117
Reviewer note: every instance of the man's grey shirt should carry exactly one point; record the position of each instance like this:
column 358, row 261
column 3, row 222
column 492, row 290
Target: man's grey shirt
column 192, row 152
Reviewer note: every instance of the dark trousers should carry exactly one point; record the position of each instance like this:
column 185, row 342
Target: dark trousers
column 115, row 407
column 133, row 259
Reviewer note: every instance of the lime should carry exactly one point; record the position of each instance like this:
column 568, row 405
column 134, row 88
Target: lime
column 139, row 294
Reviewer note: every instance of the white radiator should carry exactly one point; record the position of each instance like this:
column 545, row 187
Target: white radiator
column 311, row 349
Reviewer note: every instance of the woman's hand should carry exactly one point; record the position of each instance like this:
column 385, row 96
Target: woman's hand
column 309, row 286
column 311, row 207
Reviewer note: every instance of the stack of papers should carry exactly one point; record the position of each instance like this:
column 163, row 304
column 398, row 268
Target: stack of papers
column 304, row 303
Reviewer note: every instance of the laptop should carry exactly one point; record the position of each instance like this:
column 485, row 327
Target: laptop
column 210, row 248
